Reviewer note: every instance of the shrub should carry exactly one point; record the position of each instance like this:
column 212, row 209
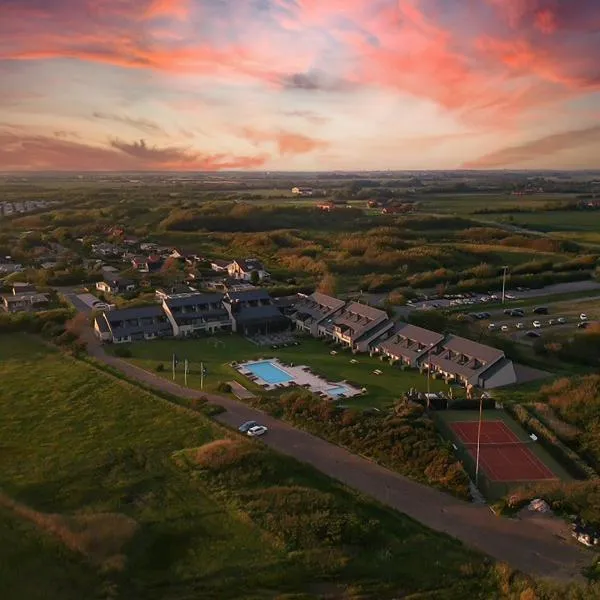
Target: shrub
column 123, row 352
column 212, row 410
column 159, row 368
column 224, row 387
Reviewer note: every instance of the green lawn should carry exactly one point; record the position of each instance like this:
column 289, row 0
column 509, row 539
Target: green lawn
column 217, row 353
column 495, row 490
column 558, row 222
column 77, row 443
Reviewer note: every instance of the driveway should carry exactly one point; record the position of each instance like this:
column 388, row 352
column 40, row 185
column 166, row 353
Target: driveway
column 525, row 545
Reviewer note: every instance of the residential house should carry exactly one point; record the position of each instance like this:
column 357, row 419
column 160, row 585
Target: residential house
column 244, row 269
column 253, row 311
column 408, row 344
column 90, row 302
column 147, row 264
column 105, row 250
column 19, row 288
column 397, row 209
column 133, row 324
column 196, row 313
column 471, row 363
column 174, row 290
column 220, row 266
column 25, row 302
column 356, row 326
column 8, row 266
column 302, row 191
column 115, row 285
column 312, row 310
column 148, row 247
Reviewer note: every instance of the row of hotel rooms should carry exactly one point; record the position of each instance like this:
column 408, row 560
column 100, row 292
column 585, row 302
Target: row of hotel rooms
column 358, row 326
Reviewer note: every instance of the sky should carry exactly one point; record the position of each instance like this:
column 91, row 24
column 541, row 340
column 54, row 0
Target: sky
column 209, row 85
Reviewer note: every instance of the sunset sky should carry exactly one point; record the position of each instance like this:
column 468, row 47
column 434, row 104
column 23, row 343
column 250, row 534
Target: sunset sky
column 299, row 84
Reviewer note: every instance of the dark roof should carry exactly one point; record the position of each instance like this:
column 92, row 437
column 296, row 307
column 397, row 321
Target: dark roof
column 102, row 323
column 248, row 295
column 220, row 263
column 250, row 264
column 137, row 312
column 258, row 313
column 357, row 319
column 410, row 341
column 473, row 349
column 193, row 299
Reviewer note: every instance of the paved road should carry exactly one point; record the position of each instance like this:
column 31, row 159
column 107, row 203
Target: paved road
column 526, row 545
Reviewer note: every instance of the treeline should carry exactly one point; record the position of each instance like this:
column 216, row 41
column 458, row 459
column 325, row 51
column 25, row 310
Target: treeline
column 406, row 441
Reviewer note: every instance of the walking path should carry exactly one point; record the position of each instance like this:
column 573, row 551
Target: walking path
column 526, row 545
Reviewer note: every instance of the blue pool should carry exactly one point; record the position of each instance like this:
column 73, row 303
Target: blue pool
column 269, row 372
column 337, row 391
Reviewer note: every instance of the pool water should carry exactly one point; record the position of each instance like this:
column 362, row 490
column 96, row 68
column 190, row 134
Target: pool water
column 339, row 390
column 269, row 372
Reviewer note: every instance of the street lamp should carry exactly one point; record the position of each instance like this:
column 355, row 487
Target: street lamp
column 504, row 269
column 429, row 373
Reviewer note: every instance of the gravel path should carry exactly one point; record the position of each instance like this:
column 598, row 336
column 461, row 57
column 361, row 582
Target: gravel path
column 529, row 546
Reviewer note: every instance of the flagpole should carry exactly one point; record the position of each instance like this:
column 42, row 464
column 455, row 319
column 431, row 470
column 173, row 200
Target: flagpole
column 185, row 371
column 201, row 375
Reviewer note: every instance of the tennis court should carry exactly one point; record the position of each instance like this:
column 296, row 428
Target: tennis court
column 502, row 455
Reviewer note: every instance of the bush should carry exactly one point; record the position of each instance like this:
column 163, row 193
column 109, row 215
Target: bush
column 123, row 352
column 224, row 387
column 159, row 368
column 212, row 410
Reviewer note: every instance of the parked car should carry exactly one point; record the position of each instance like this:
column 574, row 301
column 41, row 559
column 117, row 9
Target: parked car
column 583, row 317
column 504, row 328
column 244, row 427
column 561, row 320
column 533, row 334
column 582, row 325
column 541, row 310
column 520, row 326
column 508, row 311
column 552, row 322
column 492, row 326
column 537, row 324
column 485, row 315
column 257, row 431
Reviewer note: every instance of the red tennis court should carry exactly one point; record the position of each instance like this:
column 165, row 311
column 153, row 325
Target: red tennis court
column 502, row 455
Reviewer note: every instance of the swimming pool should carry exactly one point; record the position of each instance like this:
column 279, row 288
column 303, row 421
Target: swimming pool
column 337, row 391
column 269, row 372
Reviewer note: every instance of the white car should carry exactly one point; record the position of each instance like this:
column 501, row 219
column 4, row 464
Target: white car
column 520, row 326
column 504, row 328
column 561, row 320
column 583, row 317
column 537, row 324
column 492, row 326
column 257, row 431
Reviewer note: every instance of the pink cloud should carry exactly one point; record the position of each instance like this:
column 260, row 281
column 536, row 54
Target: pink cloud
column 287, row 142
column 22, row 151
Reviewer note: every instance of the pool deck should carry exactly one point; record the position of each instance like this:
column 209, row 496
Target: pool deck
column 302, row 377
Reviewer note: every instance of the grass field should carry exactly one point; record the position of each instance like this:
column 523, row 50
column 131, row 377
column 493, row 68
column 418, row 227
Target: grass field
column 217, row 353
column 494, row 490
column 79, row 447
column 568, row 222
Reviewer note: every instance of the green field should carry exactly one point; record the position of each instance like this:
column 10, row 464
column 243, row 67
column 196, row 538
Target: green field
column 568, row 222
column 493, row 490
column 217, row 353
column 91, row 460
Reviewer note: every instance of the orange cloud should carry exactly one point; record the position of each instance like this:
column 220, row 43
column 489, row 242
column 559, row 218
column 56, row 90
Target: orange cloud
column 286, row 142
column 19, row 151
column 174, row 9
column 535, row 149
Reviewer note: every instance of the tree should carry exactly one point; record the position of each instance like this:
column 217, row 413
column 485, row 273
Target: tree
column 254, row 278
column 328, row 284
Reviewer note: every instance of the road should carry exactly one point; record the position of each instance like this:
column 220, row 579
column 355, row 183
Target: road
column 525, row 545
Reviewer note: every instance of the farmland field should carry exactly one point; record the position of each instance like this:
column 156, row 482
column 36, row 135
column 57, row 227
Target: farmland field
column 95, row 504
column 217, row 353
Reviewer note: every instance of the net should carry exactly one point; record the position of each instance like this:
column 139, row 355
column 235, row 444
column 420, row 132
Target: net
column 511, row 444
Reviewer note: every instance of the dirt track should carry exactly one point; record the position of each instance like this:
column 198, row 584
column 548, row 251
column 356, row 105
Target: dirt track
column 530, row 546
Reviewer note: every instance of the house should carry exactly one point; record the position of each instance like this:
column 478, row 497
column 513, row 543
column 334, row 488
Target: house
column 407, row 344
column 147, row 264
column 356, row 326
column 105, row 249
column 8, row 266
column 471, row 363
column 302, row 191
column 220, row 266
column 19, row 288
column 25, row 302
column 133, row 324
column 253, row 311
column 115, row 285
column 244, row 269
column 174, row 290
column 311, row 310
column 397, row 209
column 195, row 313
